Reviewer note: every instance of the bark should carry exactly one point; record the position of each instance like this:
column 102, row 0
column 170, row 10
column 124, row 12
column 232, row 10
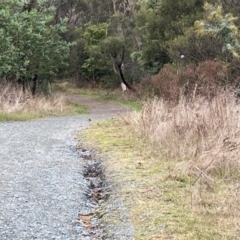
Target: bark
column 21, row 81
column 123, row 78
column 34, row 87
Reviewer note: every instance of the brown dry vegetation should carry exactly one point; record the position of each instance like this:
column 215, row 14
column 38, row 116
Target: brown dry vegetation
column 177, row 167
column 18, row 105
column 202, row 138
column 203, row 79
column 196, row 131
column 176, row 162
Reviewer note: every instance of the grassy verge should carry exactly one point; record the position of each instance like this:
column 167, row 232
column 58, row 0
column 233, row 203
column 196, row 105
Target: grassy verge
column 17, row 116
column 78, row 109
column 70, row 109
column 161, row 198
column 18, row 106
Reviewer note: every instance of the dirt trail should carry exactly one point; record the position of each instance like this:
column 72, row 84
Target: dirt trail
column 96, row 106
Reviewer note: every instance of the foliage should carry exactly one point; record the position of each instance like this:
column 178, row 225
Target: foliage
column 159, row 23
column 195, row 48
column 167, row 76
column 204, row 79
column 222, row 26
column 88, row 40
column 29, row 44
column 95, row 65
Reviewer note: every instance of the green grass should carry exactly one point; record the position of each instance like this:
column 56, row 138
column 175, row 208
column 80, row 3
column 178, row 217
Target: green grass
column 78, row 109
column 102, row 95
column 72, row 109
column 17, row 116
column 25, row 116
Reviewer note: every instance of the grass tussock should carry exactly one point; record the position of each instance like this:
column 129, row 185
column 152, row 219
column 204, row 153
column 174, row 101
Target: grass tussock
column 205, row 134
column 18, row 105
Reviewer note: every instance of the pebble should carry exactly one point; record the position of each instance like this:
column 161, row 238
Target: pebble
column 41, row 185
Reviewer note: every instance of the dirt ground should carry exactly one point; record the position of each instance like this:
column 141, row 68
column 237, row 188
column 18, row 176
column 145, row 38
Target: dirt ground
column 97, row 107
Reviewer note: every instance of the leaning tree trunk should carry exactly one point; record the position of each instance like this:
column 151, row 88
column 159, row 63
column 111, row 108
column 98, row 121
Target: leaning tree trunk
column 123, row 78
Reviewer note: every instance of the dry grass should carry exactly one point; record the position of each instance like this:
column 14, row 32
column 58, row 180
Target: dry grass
column 203, row 139
column 204, row 134
column 17, row 105
column 177, row 168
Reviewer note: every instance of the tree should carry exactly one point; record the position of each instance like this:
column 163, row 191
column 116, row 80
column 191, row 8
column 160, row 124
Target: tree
column 194, row 48
column 31, row 47
column 222, row 26
column 74, row 10
column 98, row 39
column 158, row 23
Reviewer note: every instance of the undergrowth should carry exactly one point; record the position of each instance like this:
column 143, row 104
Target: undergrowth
column 204, row 133
column 202, row 138
column 18, row 105
column 176, row 167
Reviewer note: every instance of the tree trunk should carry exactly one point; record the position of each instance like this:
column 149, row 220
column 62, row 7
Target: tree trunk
column 34, row 87
column 123, row 78
column 21, row 81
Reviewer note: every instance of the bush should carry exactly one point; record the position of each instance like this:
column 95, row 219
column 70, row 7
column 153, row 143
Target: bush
column 168, row 83
column 234, row 75
column 13, row 99
column 204, row 79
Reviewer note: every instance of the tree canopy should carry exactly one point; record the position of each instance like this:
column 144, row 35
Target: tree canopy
column 89, row 40
column 30, row 45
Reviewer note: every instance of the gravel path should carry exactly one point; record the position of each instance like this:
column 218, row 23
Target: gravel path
column 41, row 182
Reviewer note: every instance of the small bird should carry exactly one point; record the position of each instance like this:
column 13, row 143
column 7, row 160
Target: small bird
column 89, row 119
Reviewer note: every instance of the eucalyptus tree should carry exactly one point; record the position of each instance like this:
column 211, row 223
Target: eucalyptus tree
column 223, row 26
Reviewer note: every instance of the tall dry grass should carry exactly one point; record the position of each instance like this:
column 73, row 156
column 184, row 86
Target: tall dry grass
column 203, row 139
column 13, row 99
column 207, row 134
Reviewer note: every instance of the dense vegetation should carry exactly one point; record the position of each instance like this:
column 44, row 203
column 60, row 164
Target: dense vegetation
column 194, row 44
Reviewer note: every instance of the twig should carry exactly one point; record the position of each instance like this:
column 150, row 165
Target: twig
column 204, row 170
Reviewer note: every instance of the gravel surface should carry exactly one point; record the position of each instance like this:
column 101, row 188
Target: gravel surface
column 41, row 182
